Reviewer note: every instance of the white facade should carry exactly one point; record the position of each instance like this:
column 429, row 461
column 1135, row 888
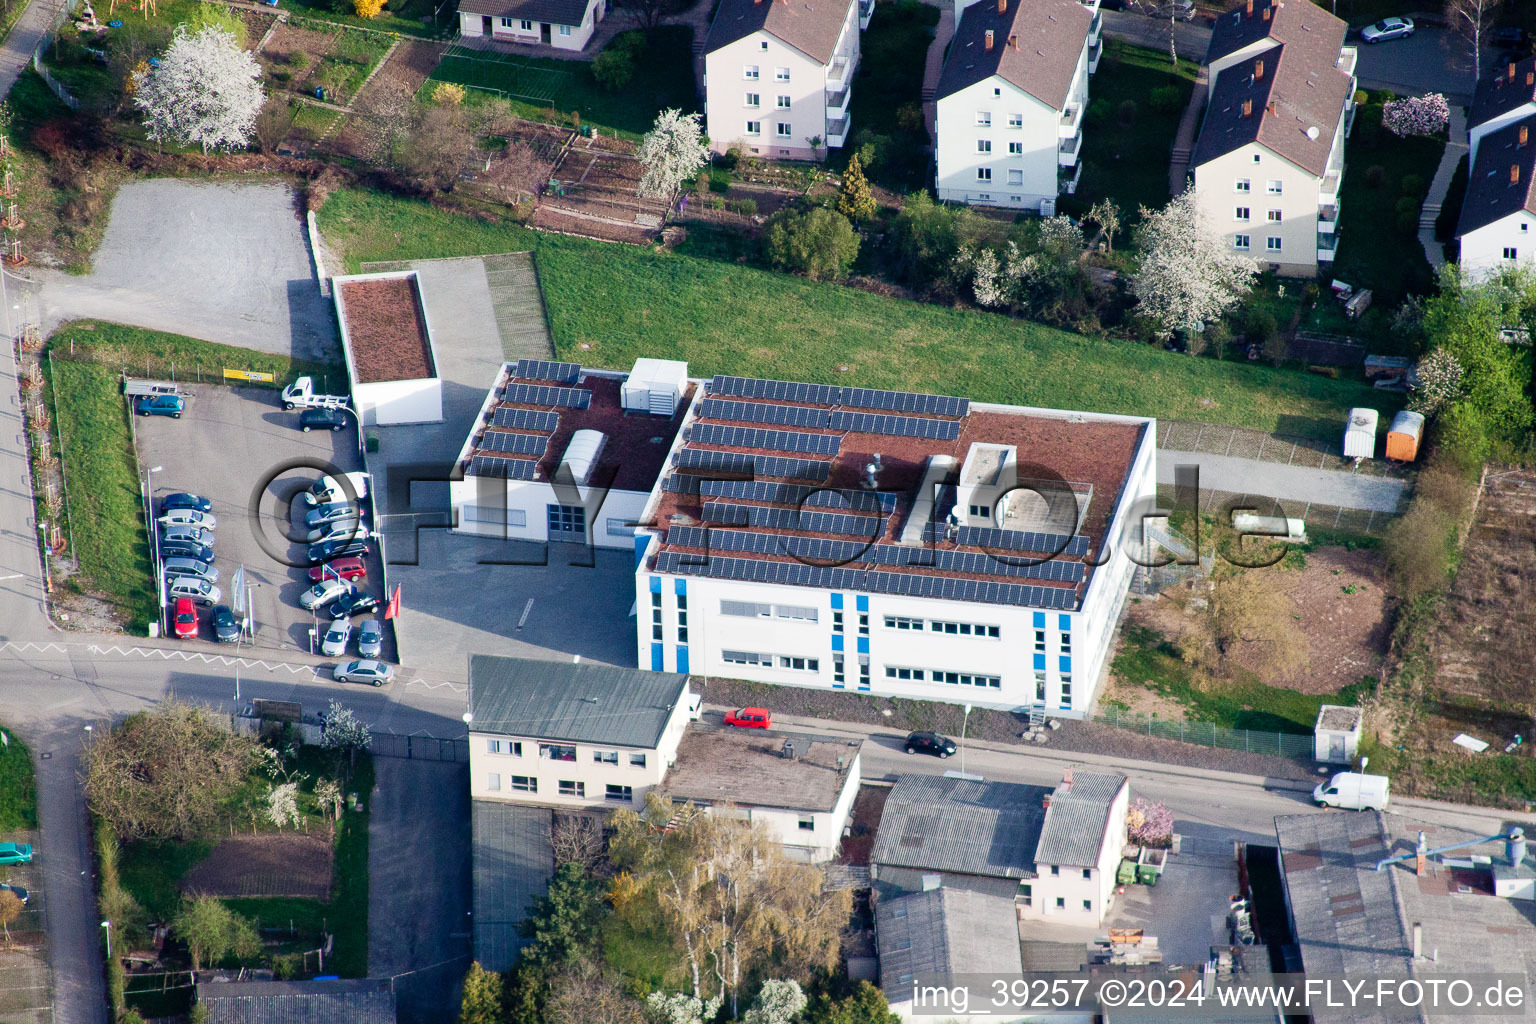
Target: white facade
column 1076, row 894
column 528, row 30
column 812, row 836
column 1506, row 244
column 391, row 402
column 772, row 99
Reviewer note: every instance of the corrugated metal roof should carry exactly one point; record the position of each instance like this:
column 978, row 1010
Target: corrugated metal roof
column 945, row 931
column 937, row 823
column 353, row 1001
column 1073, row 831
column 512, row 865
column 577, row 703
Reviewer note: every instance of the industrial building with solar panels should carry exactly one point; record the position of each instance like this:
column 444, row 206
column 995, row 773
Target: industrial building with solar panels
column 834, row 537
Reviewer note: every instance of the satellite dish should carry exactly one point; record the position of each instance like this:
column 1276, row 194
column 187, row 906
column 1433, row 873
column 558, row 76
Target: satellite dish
column 1313, row 133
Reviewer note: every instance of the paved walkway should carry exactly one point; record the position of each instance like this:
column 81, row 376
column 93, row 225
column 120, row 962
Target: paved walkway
column 74, row 937
column 1184, row 141
column 1455, row 149
column 1293, row 483
column 29, row 30
column 1191, row 37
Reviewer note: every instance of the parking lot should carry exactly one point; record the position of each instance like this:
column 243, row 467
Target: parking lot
column 241, row 450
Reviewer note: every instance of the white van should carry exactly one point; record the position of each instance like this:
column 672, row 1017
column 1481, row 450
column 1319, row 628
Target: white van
column 328, row 490
column 1354, row 791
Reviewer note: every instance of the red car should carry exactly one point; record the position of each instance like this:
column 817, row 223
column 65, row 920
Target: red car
column 186, row 619
column 346, row 568
column 750, row 718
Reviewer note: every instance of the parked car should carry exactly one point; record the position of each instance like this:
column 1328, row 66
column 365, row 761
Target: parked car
column 186, row 549
column 930, row 743
column 187, row 534
column 370, row 638
column 182, row 499
column 185, row 616
column 323, row 593
column 190, row 567
column 15, row 853
column 355, row 603
column 1180, row 10
column 322, row 419
column 189, row 517
column 226, row 628
column 20, row 892
column 200, row 591
column 750, row 718
column 1387, row 28
column 160, row 405
column 334, row 512
column 346, row 547
column 365, row 670
column 329, row 489
column 335, row 643
column 346, row 568
column 342, row 529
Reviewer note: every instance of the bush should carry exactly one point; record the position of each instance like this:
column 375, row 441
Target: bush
column 820, row 243
column 613, row 68
column 1412, row 185
column 632, row 42
column 717, row 202
column 745, row 207
column 1374, row 175
column 730, row 159
column 368, row 9
column 448, row 94
column 1098, row 110
column 1259, row 326
column 1126, row 113
column 719, row 179
column 1166, row 99
column 299, row 59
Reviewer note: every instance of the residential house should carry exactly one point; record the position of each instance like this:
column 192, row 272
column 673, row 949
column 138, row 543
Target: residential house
column 563, row 24
column 1269, row 159
column 1501, row 99
column 940, row 932
column 802, row 786
column 778, row 76
column 1053, row 851
column 572, row 735
column 1497, row 229
column 1010, row 102
column 328, row 1001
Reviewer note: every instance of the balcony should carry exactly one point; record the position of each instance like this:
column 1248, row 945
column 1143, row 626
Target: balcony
column 1067, row 151
column 1066, row 181
column 837, row 102
column 840, row 71
column 1070, row 124
column 837, row 133
column 1348, row 56
column 866, row 11
column 1328, row 191
column 1328, row 218
column 1095, row 51
column 1094, row 28
column 1327, row 247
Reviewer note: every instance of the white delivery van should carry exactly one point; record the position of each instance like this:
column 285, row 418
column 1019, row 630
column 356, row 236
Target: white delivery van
column 328, row 490
column 1354, row 791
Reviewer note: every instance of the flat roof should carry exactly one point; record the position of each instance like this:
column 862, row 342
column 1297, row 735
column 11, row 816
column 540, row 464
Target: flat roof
column 770, row 484
column 386, row 328
column 536, row 406
column 574, row 703
column 511, row 865
column 748, row 768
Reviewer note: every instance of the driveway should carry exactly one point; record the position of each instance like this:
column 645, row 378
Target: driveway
column 1191, row 37
column 1433, row 59
column 1292, row 483
column 226, row 263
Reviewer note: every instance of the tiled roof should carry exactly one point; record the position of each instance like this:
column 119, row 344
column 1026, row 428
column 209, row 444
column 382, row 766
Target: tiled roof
column 555, row 12
column 1512, row 85
column 1074, row 824
column 940, row 823
column 574, row 703
column 810, row 26
column 1247, row 22
column 1036, row 46
column 360, row 1001
column 945, row 931
column 1501, row 181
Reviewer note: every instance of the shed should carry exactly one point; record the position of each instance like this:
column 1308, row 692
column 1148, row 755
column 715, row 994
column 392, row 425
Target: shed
column 656, row 386
column 1360, row 434
column 1336, row 737
column 1386, row 366
column 1403, row 438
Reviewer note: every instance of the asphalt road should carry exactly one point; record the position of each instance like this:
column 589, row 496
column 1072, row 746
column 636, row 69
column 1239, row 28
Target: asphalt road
column 1431, row 60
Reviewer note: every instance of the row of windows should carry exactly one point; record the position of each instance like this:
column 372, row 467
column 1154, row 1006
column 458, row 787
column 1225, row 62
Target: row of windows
column 1066, row 642
column 1066, row 688
column 793, row 662
column 1015, row 177
column 837, row 622
column 527, row 26
column 1243, row 213
column 1274, row 186
column 560, row 752
column 783, row 129
column 1027, row 894
column 985, row 146
column 840, row 670
column 616, row 526
column 566, row 787
column 939, row 676
column 984, row 120
column 1273, row 243
column 751, row 72
column 754, row 610
column 902, row 622
column 754, row 100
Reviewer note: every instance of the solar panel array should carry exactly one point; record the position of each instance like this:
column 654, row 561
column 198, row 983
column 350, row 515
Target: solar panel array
column 792, row 519
column 994, row 539
column 771, row 440
column 682, row 483
column 798, row 494
column 764, row 412
column 523, row 444
column 777, row 390
column 543, row 369
column 497, row 466
column 544, row 394
column 898, row 426
column 526, row 419
column 832, row 394
column 904, row 401
column 753, row 465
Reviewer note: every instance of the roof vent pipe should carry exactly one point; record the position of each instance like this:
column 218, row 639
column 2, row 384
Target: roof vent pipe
column 1418, row 940
column 1515, row 847
column 872, row 473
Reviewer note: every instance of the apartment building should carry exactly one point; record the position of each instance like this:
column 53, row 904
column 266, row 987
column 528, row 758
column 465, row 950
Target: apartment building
column 1010, row 102
column 563, row 24
column 920, row 546
column 1496, row 227
column 1501, row 99
column 778, row 75
column 1269, row 159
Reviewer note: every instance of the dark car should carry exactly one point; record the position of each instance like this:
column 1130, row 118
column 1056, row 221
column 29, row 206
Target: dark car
column 160, row 405
column 20, row 892
column 322, row 419
column 186, row 549
column 182, row 499
column 930, row 743
column 226, row 628
column 340, row 547
column 355, row 603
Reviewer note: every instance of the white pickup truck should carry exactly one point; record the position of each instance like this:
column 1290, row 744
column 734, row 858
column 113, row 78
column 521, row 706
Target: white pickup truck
column 301, row 395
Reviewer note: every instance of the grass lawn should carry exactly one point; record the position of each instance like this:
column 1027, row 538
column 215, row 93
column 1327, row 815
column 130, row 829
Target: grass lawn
column 1129, row 164
column 887, row 107
column 100, row 470
column 18, row 789
column 626, row 302
column 401, row 16
column 547, row 88
column 1378, row 245
column 151, row 871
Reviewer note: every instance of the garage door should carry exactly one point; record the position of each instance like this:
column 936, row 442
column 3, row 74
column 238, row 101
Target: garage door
column 567, row 523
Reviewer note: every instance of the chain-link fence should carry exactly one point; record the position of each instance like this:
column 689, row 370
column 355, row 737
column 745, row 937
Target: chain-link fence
column 1206, row 734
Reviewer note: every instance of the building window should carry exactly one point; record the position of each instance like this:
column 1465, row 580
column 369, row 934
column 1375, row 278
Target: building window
column 1255, row 158
column 624, row 793
column 1274, row 216
column 839, row 675
column 785, row 129
column 525, row 783
column 753, row 99
column 807, row 823
column 1026, row 893
column 863, row 624
column 620, row 527
column 983, row 174
column 749, row 72
column 783, row 102
column 682, row 618
column 1039, row 641
column 526, row 25
column 569, row 788
column 1240, row 242
column 763, row 45
column 965, row 629
column 1272, row 243
column 1066, row 643
column 796, row 613
column 899, row 672
column 1015, row 149
column 605, row 757
column 967, row 679
column 983, row 145
column 1066, row 689
column 1242, row 185
column 1524, row 228
column 1241, row 213
column 493, row 746
column 747, row 658
column 754, row 127
column 506, row 22
column 637, row 760
column 902, row 622
column 493, row 782
column 997, row 92
column 655, row 615
column 837, row 622
column 492, row 514
column 1275, row 187
column 1015, row 177
column 1055, row 870
column 746, row 609
column 984, row 118
column 1087, row 873
column 985, row 197
column 1061, row 903
column 1015, row 120
column 565, row 30
column 981, row 511
column 1087, row 904
column 781, row 74
column 557, row 751
column 567, row 519
column 1040, row 687
column 1510, row 252
column 864, row 671
column 799, row 664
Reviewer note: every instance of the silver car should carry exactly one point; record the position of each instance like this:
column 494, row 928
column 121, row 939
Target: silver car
column 346, row 529
column 364, row 671
column 335, row 643
column 178, row 566
column 335, row 512
column 188, row 534
column 322, row 593
column 370, row 638
column 189, row 517
column 200, row 591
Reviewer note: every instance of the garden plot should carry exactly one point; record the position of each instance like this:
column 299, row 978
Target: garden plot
column 598, row 179
column 335, row 62
column 402, row 75
column 293, row 864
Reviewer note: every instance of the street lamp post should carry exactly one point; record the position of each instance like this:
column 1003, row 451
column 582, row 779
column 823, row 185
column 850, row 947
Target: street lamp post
column 108, row 926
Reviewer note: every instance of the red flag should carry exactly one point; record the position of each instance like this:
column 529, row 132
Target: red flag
column 392, row 610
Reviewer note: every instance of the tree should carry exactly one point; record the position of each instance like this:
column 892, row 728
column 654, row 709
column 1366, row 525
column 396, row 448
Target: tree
column 818, row 243
column 437, row 148
column 865, row 1005
column 10, row 909
column 448, row 94
column 283, row 805
column 856, row 201
column 649, row 14
column 341, row 731
column 1472, row 19
column 1149, row 823
column 613, row 68
column 206, row 91
column 328, row 796
column 1439, row 383
column 1187, row 274
column 1416, row 115
column 1464, row 319
column 777, row 1002
column 677, row 1008
column 564, row 920
column 576, row 839
column 217, row 16
column 583, row 993
column 367, row 9
column 212, row 931
column 1106, row 215
column 1247, row 612
column 167, row 773
column 671, row 153
column 482, row 997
